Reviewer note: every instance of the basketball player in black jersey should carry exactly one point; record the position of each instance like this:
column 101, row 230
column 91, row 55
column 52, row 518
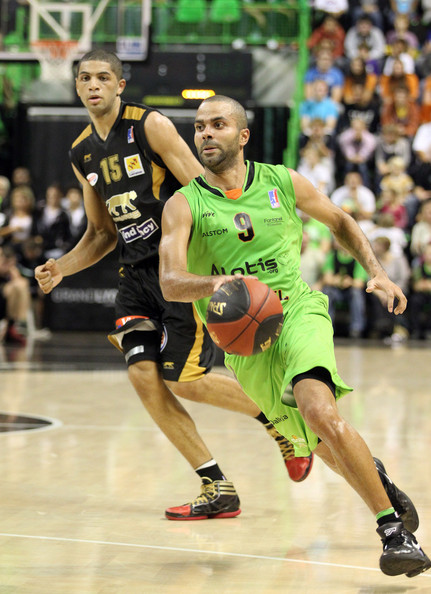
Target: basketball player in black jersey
column 129, row 160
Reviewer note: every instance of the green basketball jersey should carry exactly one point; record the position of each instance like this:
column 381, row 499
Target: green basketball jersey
column 258, row 234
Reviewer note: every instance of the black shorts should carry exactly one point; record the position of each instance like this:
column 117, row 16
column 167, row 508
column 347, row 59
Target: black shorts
column 150, row 328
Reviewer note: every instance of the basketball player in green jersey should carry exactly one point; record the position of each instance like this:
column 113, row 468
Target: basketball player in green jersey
column 127, row 159
column 239, row 218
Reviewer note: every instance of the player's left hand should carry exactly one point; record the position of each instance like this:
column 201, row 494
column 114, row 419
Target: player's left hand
column 227, row 278
column 393, row 291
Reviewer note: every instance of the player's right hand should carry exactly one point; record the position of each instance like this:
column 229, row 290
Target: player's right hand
column 48, row 275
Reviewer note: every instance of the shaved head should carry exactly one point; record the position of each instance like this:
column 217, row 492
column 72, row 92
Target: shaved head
column 237, row 110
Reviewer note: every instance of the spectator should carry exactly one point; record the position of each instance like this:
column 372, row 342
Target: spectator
column 21, row 176
column 423, row 61
column 426, row 101
column 4, row 195
column 390, row 201
column 52, row 224
column 385, row 227
column 421, row 231
column 360, row 107
column 325, row 69
column 403, row 112
column 398, row 78
column 421, row 173
column 401, row 31
column 319, row 140
column 372, row 65
column 74, row 206
column 399, row 50
column 426, row 11
column 343, row 281
column 406, row 7
column 14, row 298
column 18, row 224
column 357, row 75
column 380, row 322
column 329, row 31
column 420, row 296
column 374, row 9
column 389, row 144
column 336, row 8
column 319, row 105
column 313, row 167
column 422, row 143
column 397, row 179
column 365, row 32
column 357, row 146
column 312, row 260
column 319, row 236
column 354, row 198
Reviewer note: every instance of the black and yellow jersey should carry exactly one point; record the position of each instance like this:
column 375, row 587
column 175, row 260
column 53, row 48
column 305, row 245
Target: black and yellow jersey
column 130, row 177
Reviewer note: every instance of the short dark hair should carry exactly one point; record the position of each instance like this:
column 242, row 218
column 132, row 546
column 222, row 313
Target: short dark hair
column 237, row 108
column 102, row 55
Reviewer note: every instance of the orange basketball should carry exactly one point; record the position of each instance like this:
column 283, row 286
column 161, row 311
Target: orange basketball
column 244, row 317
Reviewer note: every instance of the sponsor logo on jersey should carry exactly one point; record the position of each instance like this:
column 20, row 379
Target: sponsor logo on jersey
column 207, row 214
column 133, row 165
column 142, row 231
column 121, row 207
column 273, row 198
column 214, row 232
column 273, row 221
column 130, row 135
column 298, row 440
column 92, row 178
column 279, row 419
column 87, row 158
column 248, row 267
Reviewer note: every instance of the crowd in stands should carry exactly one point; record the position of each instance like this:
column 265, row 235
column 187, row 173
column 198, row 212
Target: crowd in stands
column 366, row 142
column 32, row 229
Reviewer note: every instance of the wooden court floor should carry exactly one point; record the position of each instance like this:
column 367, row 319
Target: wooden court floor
column 82, row 501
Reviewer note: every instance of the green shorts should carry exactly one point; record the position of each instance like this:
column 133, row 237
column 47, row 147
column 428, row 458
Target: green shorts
column 305, row 342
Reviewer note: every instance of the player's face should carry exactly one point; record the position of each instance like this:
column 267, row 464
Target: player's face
column 217, row 137
column 98, row 87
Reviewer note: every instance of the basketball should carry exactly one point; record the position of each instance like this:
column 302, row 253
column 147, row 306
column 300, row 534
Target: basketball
column 244, row 317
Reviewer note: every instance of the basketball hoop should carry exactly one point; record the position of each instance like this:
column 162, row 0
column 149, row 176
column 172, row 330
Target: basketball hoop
column 56, row 58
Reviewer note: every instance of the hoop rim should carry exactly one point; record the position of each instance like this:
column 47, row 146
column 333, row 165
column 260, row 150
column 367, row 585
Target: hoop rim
column 55, row 48
column 54, row 43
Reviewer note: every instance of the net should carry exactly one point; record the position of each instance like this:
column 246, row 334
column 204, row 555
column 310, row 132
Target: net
column 56, row 58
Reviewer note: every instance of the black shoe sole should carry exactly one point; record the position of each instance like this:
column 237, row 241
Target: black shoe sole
column 410, row 567
column 401, row 502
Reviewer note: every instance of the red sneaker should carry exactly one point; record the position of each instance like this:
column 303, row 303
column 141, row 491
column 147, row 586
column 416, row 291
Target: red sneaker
column 14, row 336
column 218, row 499
column 297, row 467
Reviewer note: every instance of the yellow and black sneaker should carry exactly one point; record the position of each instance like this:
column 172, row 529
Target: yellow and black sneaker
column 297, row 467
column 218, row 499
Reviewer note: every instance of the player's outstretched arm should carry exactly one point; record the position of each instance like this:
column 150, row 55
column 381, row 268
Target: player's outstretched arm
column 176, row 282
column 100, row 237
column 350, row 236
